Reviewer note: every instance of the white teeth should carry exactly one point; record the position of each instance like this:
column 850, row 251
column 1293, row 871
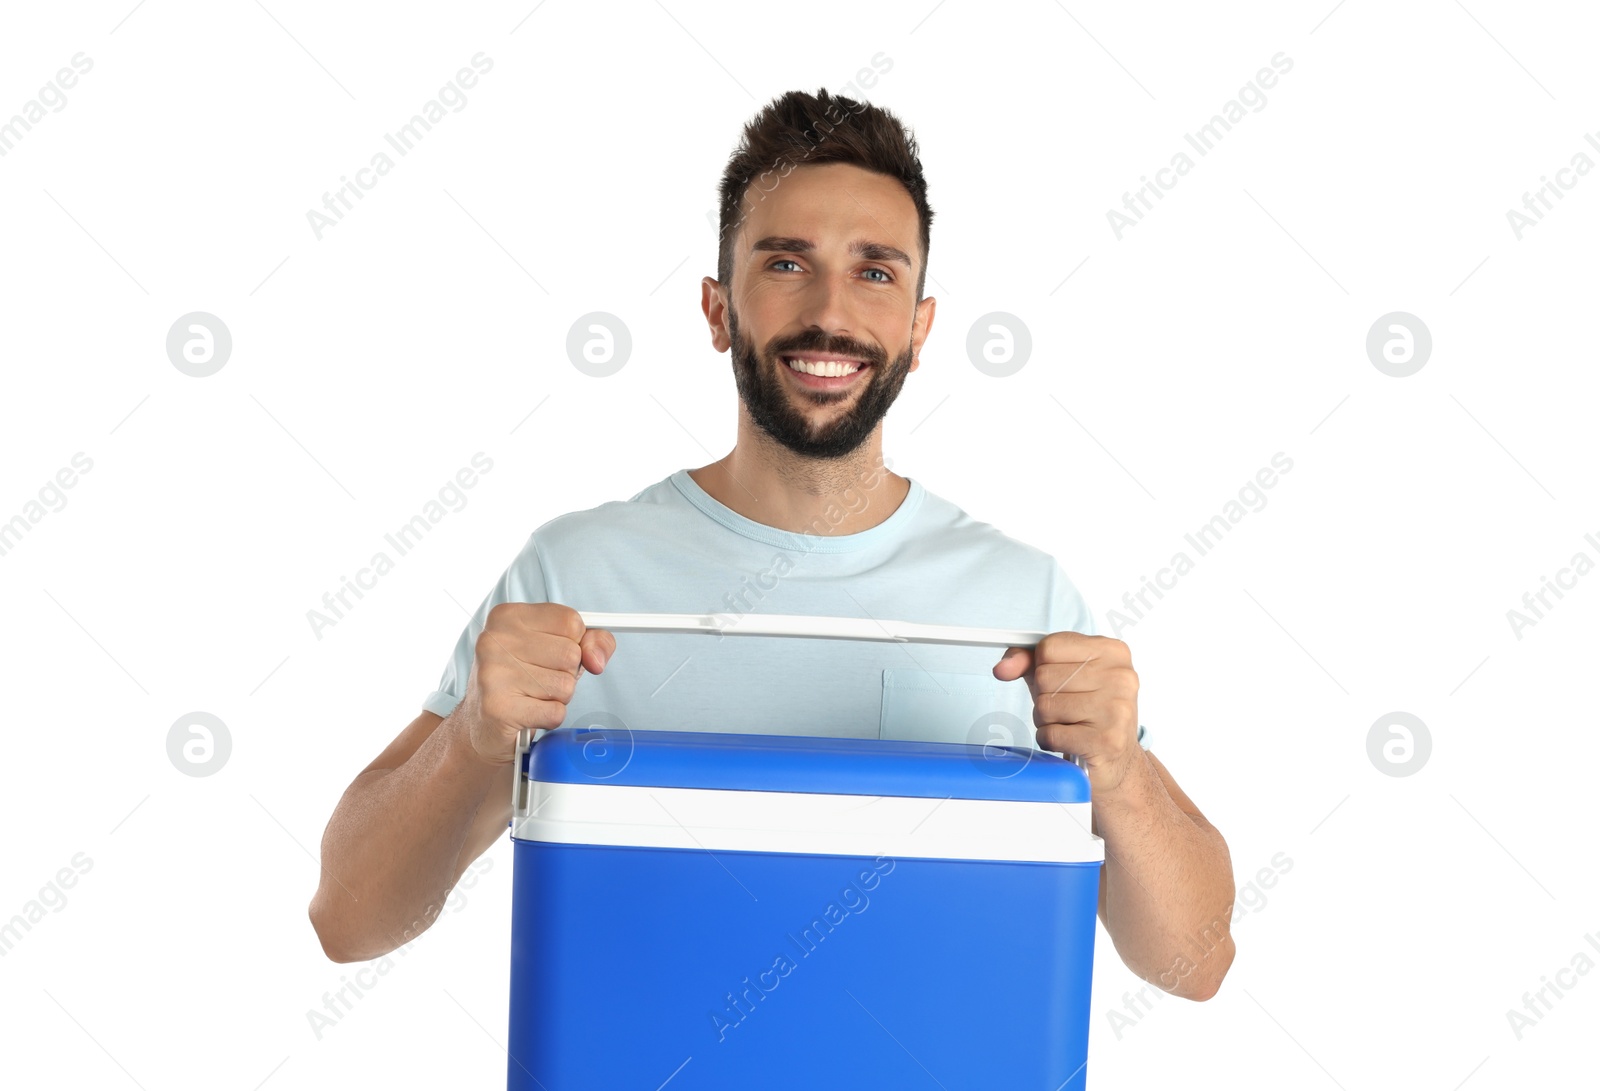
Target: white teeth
column 832, row 368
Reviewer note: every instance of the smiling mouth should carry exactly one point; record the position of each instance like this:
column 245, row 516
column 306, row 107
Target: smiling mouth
column 824, row 369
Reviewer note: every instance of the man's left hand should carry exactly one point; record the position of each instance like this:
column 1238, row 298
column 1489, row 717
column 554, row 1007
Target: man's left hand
column 1085, row 702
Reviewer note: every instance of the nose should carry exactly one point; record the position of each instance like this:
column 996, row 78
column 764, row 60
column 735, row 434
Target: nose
column 825, row 306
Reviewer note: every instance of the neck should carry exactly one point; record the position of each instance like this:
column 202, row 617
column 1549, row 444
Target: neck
column 770, row 484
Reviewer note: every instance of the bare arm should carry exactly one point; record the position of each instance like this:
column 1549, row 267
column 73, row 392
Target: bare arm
column 440, row 794
column 401, row 837
column 1166, row 891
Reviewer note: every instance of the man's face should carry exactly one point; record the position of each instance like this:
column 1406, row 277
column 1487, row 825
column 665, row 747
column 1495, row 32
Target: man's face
column 825, row 267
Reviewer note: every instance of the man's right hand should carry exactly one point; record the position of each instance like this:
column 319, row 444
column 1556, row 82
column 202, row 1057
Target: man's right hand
column 526, row 665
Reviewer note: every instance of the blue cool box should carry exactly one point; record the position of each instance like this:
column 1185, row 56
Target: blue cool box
column 770, row 911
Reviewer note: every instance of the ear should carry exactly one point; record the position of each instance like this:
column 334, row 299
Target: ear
column 714, row 303
column 921, row 324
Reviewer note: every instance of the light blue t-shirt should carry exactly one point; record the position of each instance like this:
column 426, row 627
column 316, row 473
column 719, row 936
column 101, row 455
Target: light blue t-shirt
column 674, row 549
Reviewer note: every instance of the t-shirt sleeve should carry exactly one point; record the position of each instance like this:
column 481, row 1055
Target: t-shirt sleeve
column 522, row 581
column 1070, row 613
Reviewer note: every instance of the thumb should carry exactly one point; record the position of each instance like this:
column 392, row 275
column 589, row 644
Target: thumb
column 596, row 647
column 1014, row 664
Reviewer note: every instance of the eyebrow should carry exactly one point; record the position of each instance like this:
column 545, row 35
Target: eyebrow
column 861, row 248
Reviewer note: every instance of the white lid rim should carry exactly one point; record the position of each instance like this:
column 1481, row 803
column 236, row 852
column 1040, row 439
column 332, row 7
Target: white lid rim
column 808, row 823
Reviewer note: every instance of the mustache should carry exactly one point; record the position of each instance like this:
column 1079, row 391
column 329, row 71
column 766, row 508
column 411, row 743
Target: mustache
column 834, row 346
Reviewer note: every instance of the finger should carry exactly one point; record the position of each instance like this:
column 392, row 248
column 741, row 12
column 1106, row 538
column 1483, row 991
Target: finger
column 1051, row 679
column 1066, row 708
column 1070, row 647
column 511, row 685
column 1091, row 741
column 530, row 653
column 1014, row 664
column 1063, row 647
column 1067, row 738
column 597, row 647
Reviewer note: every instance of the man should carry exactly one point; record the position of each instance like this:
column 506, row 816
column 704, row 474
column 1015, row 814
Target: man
column 819, row 297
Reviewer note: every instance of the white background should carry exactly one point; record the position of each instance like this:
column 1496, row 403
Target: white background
column 368, row 368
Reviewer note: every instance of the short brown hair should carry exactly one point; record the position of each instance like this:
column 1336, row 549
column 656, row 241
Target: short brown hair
column 797, row 129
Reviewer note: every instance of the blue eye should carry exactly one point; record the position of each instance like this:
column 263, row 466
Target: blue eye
column 887, row 277
column 785, row 261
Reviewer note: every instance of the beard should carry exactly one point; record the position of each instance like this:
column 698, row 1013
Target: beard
column 766, row 395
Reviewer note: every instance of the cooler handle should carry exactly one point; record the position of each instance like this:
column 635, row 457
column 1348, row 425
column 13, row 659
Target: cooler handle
column 833, row 628
column 793, row 625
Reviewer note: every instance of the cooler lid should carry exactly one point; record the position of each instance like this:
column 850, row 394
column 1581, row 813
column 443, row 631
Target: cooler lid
column 803, row 763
